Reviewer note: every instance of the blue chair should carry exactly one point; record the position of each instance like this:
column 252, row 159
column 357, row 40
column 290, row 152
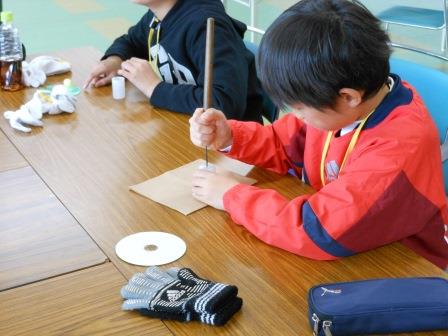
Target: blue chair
column 419, row 18
column 432, row 85
column 269, row 110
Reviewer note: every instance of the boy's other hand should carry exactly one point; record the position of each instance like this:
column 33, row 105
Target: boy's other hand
column 210, row 129
column 103, row 72
column 140, row 73
column 210, row 187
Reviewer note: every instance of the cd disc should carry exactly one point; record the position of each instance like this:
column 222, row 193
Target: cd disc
column 150, row 248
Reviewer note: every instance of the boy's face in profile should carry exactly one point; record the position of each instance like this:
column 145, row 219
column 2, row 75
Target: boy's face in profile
column 315, row 52
column 345, row 111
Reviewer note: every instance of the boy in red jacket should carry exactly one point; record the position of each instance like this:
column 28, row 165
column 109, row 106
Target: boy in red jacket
column 358, row 135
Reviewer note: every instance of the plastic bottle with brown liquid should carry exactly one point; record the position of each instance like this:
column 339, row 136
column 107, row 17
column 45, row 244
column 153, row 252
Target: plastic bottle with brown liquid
column 11, row 54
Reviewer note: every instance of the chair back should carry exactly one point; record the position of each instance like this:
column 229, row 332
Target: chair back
column 432, row 85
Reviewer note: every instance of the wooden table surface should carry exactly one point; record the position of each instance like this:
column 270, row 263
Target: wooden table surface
column 39, row 238
column 80, row 303
column 10, row 158
column 89, row 159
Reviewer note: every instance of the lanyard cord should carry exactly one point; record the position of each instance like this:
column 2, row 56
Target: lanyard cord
column 155, row 25
column 349, row 150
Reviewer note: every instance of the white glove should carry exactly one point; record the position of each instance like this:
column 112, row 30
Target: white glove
column 35, row 73
column 66, row 103
column 58, row 101
column 22, row 117
column 35, row 106
column 63, row 101
column 32, row 76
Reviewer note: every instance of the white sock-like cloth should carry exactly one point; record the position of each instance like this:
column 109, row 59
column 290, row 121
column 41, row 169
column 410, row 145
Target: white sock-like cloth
column 35, row 72
column 31, row 113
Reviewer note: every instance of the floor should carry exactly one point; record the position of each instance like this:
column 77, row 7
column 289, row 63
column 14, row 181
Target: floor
column 67, row 23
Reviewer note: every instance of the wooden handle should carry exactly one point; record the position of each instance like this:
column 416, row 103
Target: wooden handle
column 209, row 49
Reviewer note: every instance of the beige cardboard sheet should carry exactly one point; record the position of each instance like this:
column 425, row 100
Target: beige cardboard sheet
column 173, row 188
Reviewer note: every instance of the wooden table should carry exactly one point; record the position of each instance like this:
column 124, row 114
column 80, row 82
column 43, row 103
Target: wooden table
column 90, row 158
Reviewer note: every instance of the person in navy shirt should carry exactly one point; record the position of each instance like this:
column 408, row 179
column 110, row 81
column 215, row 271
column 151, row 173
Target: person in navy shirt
column 163, row 56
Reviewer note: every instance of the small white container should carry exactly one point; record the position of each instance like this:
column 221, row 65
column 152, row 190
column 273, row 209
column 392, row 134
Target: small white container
column 210, row 167
column 118, row 87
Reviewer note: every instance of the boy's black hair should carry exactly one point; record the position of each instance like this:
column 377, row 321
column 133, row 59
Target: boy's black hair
column 317, row 47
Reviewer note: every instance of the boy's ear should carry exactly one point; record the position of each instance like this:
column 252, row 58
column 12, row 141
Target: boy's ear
column 351, row 97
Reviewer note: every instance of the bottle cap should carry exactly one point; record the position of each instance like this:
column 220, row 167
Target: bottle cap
column 67, row 82
column 71, row 88
column 6, row 17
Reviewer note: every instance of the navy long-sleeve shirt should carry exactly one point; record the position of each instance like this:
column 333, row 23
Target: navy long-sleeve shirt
column 181, row 56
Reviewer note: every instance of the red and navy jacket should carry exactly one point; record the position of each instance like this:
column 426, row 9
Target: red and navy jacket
column 391, row 188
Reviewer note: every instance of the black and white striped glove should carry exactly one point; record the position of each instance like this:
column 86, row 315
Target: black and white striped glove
column 180, row 295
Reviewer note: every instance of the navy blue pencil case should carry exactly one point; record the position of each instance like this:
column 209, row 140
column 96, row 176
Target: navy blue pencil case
column 379, row 306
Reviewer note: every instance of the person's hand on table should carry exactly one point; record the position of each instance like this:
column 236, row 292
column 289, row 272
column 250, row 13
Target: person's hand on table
column 209, row 128
column 103, row 72
column 140, row 73
column 210, row 187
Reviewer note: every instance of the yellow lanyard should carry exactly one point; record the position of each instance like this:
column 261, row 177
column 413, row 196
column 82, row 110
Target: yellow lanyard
column 351, row 145
column 154, row 62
